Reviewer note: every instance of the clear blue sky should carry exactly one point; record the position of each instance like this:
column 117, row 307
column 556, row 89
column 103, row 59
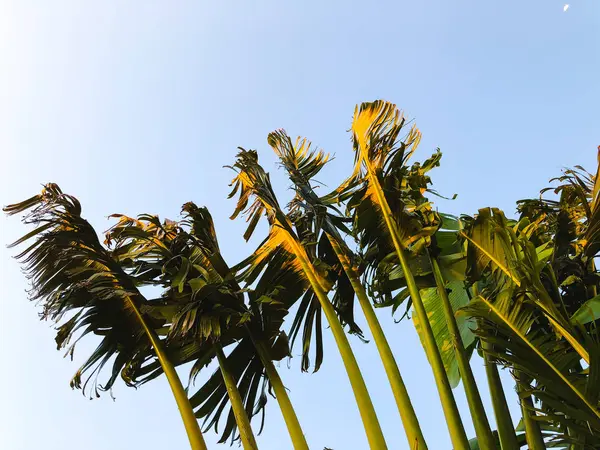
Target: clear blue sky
column 135, row 107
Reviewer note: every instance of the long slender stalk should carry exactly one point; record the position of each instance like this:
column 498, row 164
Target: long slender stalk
column 237, row 405
column 506, row 430
column 363, row 400
column 478, row 415
column 405, row 408
column 533, row 433
column 287, row 410
column 185, row 408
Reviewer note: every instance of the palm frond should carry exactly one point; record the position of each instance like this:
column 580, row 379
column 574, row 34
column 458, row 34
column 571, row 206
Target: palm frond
column 558, row 382
column 384, row 179
column 277, row 257
column 82, row 288
column 300, row 160
column 523, row 319
column 495, row 247
column 571, row 225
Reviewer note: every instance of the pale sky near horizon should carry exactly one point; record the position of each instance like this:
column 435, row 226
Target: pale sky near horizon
column 135, row 107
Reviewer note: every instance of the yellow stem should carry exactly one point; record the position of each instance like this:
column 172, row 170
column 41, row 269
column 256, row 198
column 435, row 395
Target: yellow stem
column 287, row 410
column 185, row 408
column 237, row 405
column 409, row 418
column 363, row 400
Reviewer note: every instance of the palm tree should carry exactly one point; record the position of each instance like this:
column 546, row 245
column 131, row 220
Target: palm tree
column 264, row 327
column 376, row 127
column 570, row 226
column 302, row 164
column 73, row 274
column 283, row 243
column 205, row 303
column 197, row 304
column 440, row 268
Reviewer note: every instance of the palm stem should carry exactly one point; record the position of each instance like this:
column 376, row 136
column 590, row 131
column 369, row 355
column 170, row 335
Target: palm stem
column 506, row 430
column 287, row 410
column 478, row 415
column 405, row 408
column 185, row 408
column 533, row 433
column 363, row 400
column 237, row 405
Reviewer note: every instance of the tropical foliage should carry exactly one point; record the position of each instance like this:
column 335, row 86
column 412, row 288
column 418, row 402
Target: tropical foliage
column 521, row 293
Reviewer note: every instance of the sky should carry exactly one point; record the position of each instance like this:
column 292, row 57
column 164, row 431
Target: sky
column 136, row 107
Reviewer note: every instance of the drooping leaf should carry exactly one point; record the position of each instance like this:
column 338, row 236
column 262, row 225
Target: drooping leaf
column 82, row 289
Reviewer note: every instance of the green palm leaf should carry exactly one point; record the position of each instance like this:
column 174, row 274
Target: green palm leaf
column 459, row 298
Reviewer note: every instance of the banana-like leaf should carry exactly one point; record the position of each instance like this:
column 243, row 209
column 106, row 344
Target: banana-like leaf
column 458, row 298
